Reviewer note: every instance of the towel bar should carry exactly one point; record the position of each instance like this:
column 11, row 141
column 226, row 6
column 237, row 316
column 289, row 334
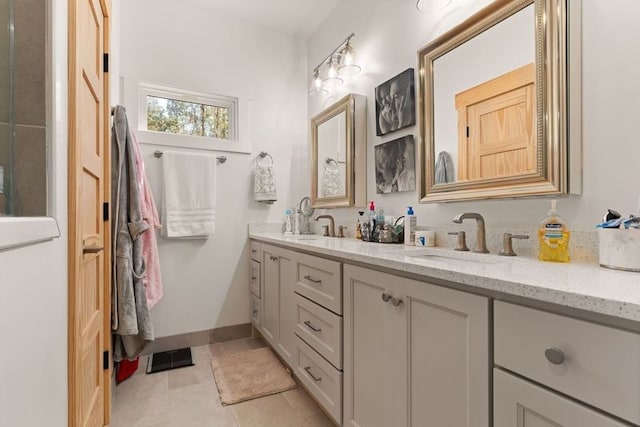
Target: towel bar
column 221, row 159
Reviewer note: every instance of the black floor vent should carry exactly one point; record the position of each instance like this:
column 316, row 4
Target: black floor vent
column 171, row 359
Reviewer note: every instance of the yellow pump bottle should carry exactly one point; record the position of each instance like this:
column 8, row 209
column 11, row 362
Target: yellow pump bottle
column 553, row 236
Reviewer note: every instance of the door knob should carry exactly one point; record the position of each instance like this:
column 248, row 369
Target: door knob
column 396, row 301
column 386, row 296
column 92, row 249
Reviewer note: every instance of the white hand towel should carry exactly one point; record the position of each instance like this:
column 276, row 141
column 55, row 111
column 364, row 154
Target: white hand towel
column 264, row 188
column 189, row 190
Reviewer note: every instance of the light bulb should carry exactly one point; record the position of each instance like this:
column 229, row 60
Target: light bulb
column 332, row 73
column 348, row 57
column 348, row 66
column 317, row 81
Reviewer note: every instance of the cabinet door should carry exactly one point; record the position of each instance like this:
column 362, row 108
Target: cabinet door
column 519, row 403
column 270, row 294
column 254, row 278
column 448, row 356
column 374, row 357
column 287, row 340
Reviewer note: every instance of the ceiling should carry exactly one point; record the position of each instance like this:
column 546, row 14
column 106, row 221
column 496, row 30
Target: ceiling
column 295, row 17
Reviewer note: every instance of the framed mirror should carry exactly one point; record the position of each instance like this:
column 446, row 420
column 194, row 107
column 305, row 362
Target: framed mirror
column 338, row 154
column 494, row 104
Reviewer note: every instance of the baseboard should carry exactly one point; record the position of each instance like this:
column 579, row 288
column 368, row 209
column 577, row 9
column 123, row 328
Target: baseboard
column 194, row 339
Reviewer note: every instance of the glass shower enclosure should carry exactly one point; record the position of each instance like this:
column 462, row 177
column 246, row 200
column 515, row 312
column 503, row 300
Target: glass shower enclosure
column 6, row 105
column 23, row 108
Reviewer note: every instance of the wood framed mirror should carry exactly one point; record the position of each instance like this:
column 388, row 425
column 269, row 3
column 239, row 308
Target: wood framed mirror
column 338, row 154
column 500, row 116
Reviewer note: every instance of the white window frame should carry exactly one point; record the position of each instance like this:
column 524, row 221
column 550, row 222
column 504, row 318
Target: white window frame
column 237, row 109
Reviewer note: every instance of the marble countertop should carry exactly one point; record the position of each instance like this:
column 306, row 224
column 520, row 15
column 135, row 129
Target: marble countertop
column 582, row 286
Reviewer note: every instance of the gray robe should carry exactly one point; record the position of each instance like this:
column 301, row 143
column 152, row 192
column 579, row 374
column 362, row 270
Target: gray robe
column 130, row 319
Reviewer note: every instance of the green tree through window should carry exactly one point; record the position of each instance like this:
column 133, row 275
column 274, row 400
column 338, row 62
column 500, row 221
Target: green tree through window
column 187, row 118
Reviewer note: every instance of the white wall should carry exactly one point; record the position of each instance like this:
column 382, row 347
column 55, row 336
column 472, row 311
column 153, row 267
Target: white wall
column 193, row 46
column 33, row 279
column 388, row 36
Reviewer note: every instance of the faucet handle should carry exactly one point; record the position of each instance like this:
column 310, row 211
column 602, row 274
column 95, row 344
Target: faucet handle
column 326, row 230
column 341, row 229
column 462, row 242
column 507, row 247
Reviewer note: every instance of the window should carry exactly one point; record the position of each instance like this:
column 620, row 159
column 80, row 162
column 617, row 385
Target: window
column 182, row 112
column 187, row 118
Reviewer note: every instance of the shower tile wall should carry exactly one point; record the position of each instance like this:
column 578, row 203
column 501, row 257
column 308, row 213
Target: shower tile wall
column 4, row 95
column 30, row 137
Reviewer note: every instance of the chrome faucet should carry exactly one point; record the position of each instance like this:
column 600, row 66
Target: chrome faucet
column 481, row 243
column 332, row 227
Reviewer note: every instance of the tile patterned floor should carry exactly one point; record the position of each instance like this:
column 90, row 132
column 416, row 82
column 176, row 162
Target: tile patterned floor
column 188, row 397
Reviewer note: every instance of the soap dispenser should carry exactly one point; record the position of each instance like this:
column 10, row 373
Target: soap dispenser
column 553, row 236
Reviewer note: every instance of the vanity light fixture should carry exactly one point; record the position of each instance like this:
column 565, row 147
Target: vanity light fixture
column 429, row 6
column 340, row 62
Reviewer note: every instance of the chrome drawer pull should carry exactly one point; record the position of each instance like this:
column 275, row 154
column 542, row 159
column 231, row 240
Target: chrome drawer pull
column 273, row 258
column 308, row 369
column 255, row 312
column 310, row 326
column 386, row 296
column 396, row 301
column 312, row 280
column 253, row 277
column 554, row 355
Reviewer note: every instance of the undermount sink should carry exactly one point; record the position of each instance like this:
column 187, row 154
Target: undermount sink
column 444, row 255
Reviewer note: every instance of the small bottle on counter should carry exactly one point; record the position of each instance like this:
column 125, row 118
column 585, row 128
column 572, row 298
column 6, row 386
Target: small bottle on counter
column 358, row 225
column 410, row 224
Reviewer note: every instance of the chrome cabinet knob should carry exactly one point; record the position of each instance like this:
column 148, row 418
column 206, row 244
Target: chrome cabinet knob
column 396, row 301
column 386, row 296
column 554, row 355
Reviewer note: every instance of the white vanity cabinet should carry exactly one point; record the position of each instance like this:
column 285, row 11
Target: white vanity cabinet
column 277, row 298
column 415, row 354
column 597, row 365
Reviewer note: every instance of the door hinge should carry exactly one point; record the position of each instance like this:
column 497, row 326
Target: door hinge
column 105, row 62
column 105, row 360
column 467, row 131
column 105, row 211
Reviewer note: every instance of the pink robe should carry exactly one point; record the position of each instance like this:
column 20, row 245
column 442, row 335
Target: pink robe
column 153, row 279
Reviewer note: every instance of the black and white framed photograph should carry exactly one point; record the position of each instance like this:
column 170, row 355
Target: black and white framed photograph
column 395, row 165
column 396, row 103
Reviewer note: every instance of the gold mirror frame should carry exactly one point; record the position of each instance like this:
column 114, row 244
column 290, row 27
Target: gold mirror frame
column 551, row 175
column 354, row 107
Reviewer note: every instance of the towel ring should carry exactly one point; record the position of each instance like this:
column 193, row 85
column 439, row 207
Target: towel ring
column 264, row 154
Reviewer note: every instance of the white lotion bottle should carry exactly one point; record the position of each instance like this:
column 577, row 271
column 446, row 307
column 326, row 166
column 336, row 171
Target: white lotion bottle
column 410, row 223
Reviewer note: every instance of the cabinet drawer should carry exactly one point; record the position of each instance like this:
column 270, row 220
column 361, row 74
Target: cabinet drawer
column 319, row 280
column 256, row 250
column 256, row 312
column 321, row 379
column 254, row 278
column 596, row 364
column 518, row 402
column 321, row 329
